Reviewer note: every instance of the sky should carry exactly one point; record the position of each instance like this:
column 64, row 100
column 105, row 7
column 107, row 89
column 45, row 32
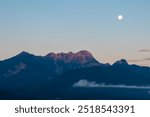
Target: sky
column 44, row 26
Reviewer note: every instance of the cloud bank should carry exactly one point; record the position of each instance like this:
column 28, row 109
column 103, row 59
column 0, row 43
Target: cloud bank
column 144, row 50
column 140, row 60
column 88, row 84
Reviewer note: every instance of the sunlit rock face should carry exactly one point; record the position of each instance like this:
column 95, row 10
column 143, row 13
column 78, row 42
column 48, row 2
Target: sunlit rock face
column 81, row 57
column 70, row 60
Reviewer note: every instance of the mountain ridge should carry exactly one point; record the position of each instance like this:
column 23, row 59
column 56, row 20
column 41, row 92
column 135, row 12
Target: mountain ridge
column 82, row 53
column 54, row 63
column 55, row 75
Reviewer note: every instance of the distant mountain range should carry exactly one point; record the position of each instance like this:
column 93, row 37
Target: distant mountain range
column 71, row 76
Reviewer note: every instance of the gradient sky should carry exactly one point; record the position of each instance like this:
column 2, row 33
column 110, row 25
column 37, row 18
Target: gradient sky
column 43, row 26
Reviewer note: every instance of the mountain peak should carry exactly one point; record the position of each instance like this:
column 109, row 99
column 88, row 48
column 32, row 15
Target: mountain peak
column 81, row 57
column 24, row 53
column 82, row 53
column 121, row 62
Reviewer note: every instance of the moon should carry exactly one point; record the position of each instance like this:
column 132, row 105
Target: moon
column 120, row 17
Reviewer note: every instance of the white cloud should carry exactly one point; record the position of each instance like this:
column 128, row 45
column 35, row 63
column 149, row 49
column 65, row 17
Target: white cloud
column 87, row 84
column 18, row 68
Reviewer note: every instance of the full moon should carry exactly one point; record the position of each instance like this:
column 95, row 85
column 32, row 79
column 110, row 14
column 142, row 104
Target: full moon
column 120, row 17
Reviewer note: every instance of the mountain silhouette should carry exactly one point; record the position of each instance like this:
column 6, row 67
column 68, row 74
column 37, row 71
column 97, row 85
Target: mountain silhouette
column 71, row 76
column 52, row 63
column 121, row 62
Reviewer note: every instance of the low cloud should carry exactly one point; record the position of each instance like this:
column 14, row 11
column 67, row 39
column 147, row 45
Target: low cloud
column 144, row 50
column 88, row 84
column 18, row 68
column 85, row 83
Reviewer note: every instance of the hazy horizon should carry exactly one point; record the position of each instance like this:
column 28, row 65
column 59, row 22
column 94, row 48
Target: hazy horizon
column 40, row 27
